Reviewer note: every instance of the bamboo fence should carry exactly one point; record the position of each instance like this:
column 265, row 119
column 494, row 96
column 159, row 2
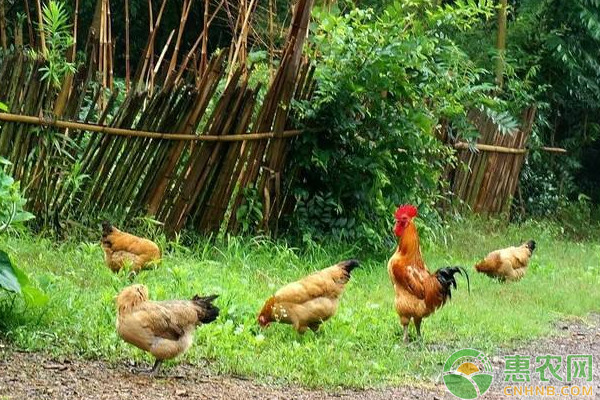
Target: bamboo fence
column 486, row 179
column 186, row 153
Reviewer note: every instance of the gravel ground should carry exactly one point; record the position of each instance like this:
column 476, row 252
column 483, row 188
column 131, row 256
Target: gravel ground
column 35, row 376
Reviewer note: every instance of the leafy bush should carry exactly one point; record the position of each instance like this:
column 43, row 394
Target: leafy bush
column 12, row 215
column 384, row 84
column 11, row 201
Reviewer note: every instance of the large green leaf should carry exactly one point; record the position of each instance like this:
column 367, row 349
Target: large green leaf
column 34, row 296
column 8, row 276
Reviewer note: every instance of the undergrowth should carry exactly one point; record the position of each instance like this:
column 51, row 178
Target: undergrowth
column 360, row 347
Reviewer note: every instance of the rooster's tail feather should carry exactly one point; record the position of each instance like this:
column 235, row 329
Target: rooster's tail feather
column 445, row 277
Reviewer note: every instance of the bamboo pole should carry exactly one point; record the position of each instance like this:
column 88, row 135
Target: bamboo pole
column 506, row 150
column 223, row 137
column 204, row 53
column 29, row 25
column 110, row 46
column 239, row 51
column 554, row 150
column 164, row 51
column 192, row 51
column 490, row 148
column 41, row 29
column 3, row 40
column 187, row 5
column 127, row 61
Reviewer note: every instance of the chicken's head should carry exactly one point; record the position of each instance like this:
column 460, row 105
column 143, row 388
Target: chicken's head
column 266, row 314
column 404, row 214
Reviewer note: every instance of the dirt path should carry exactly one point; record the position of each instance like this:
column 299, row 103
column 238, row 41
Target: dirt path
column 35, row 376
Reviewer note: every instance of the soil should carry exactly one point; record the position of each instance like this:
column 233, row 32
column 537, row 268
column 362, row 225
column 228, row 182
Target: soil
column 36, row 376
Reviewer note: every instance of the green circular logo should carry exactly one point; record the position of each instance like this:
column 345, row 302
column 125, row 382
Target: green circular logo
column 468, row 374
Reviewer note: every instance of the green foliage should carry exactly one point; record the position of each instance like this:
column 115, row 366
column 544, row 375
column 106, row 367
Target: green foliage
column 250, row 213
column 57, row 30
column 14, row 280
column 363, row 340
column 385, row 82
column 8, row 275
column 12, row 214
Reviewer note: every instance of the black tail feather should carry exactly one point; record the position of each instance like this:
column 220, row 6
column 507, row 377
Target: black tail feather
column 106, row 228
column 531, row 245
column 445, row 277
column 349, row 265
column 210, row 312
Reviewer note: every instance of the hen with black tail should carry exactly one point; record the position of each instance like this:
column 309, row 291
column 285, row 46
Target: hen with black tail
column 507, row 264
column 163, row 328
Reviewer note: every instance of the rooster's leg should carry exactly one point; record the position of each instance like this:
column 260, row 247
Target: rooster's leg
column 405, row 321
column 417, row 322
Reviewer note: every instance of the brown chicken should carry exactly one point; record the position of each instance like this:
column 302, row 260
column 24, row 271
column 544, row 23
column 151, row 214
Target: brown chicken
column 418, row 292
column 310, row 301
column 163, row 328
column 507, row 264
column 121, row 248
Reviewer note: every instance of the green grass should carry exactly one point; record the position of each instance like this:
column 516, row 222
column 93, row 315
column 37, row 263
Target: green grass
column 360, row 347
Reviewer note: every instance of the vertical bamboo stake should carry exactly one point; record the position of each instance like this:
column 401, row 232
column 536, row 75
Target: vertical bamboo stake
column 29, row 25
column 127, row 70
column 41, row 29
column 501, row 43
column 101, row 42
column 3, row 26
column 271, row 40
column 109, row 48
column 240, row 45
column 187, row 4
column 150, row 79
column 75, row 22
column 204, row 58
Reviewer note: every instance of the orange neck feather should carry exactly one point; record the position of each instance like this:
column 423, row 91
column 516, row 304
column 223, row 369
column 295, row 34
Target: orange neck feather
column 408, row 245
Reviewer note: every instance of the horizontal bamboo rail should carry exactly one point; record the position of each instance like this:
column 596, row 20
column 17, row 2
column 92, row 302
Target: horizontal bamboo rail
column 554, row 150
column 25, row 119
column 487, row 147
column 501, row 149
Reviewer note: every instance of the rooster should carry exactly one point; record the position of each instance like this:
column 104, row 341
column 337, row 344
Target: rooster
column 163, row 328
column 507, row 264
column 310, row 301
column 121, row 248
column 418, row 292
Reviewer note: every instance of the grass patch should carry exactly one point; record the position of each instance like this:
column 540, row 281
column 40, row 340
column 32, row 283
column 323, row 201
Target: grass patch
column 363, row 341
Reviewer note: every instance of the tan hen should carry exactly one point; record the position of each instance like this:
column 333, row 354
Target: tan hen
column 163, row 328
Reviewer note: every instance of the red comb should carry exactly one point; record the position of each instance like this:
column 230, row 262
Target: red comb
column 406, row 209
